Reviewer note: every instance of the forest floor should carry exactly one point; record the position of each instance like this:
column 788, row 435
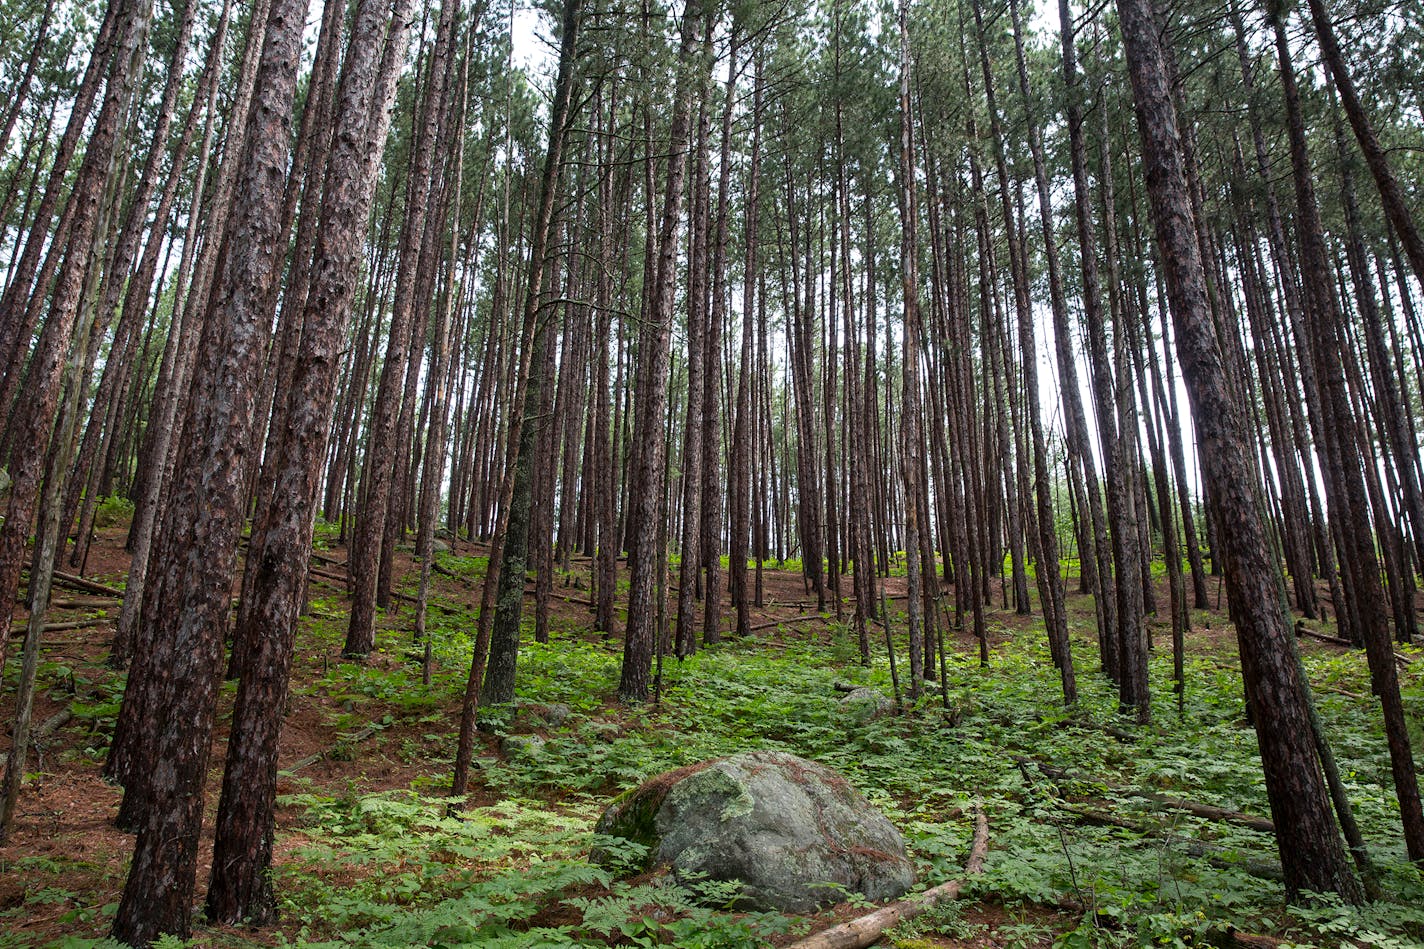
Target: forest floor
column 1090, row 842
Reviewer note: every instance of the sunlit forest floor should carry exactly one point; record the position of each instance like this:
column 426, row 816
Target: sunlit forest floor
column 1089, row 841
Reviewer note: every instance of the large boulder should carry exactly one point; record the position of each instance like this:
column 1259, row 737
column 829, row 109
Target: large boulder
column 793, row 832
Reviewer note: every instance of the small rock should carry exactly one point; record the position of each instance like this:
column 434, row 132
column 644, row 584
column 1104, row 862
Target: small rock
column 865, row 705
column 544, row 715
column 521, row 746
column 605, row 731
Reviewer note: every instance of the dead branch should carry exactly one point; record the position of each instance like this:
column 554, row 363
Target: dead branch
column 862, row 932
column 54, row 723
column 1263, row 869
column 787, row 622
column 360, row 736
column 88, row 586
column 1206, row 811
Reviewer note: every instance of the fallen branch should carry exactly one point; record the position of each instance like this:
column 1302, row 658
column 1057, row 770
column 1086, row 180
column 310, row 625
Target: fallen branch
column 75, row 624
column 1194, row 848
column 429, row 604
column 19, row 634
column 787, row 622
column 1209, row 812
column 582, row 601
column 328, row 575
column 1226, row 935
column 1233, row 937
column 53, row 724
column 88, row 586
column 77, row 602
column 861, row 932
column 1302, row 630
column 360, row 736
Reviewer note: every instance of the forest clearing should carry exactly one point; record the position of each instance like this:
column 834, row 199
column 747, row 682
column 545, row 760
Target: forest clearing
column 702, row 473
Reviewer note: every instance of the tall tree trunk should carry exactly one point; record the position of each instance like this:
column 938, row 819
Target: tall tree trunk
column 34, row 417
column 275, row 577
column 542, row 226
column 197, row 546
column 1129, row 664
column 910, row 439
column 712, row 524
column 648, row 478
column 129, row 234
column 1396, row 205
column 604, row 490
column 744, row 429
column 698, row 316
column 411, row 304
column 1095, row 551
column 1349, row 505
column 1309, row 843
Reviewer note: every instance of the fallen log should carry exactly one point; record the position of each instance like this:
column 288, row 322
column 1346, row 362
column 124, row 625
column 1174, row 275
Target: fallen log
column 429, row 604
column 1209, row 812
column 88, row 586
column 84, row 603
column 788, row 621
column 53, row 724
column 74, row 624
column 862, row 932
column 328, row 575
column 581, row 601
column 19, row 634
column 1194, row 848
column 1206, row 811
column 77, row 602
column 1226, row 935
column 1235, row 938
column 1302, row 630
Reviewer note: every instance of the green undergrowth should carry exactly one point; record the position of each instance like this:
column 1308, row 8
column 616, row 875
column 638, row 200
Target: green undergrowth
column 517, row 874
column 1079, row 854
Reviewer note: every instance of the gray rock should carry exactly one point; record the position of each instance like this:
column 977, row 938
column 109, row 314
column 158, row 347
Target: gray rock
column 605, row 731
column 543, row 715
column 865, row 705
column 521, row 746
column 793, row 832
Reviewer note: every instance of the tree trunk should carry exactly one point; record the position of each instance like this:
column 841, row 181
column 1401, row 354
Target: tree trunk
column 542, row 225
column 274, row 581
column 33, row 421
column 197, row 547
column 648, row 478
column 743, row 430
column 1309, row 843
